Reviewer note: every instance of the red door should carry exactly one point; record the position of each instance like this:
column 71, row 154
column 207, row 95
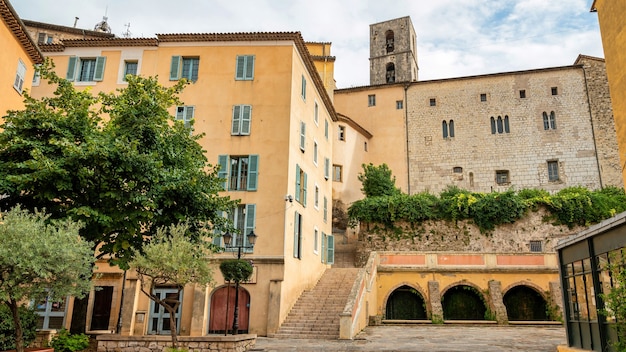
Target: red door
column 222, row 310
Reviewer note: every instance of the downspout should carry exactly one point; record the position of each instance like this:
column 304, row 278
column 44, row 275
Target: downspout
column 406, row 129
column 593, row 134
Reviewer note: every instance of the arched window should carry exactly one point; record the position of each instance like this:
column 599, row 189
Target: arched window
column 493, row 125
column 549, row 121
column 500, row 129
column 506, row 124
column 444, row 126
column 391, row 72
column 546, row 123
column 451, row 128
column 552, row 120
column 389, row 41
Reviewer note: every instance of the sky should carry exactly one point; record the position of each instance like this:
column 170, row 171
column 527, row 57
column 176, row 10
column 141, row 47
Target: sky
column 455, row 38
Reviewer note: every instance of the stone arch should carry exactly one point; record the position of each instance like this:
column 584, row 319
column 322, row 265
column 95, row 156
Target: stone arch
column 525, row 301
column 464, row 301
column 389, row 41
column 390, row 72
column 406, row 302
column 221, row 308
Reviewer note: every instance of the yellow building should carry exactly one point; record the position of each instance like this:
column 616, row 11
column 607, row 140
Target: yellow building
column 19, row 54
column 613, row 29
column 267, row 119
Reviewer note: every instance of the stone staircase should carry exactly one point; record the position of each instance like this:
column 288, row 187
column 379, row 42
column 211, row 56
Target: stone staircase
column 316, row 313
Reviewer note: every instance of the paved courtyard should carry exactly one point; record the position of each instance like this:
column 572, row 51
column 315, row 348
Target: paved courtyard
column 431, row 338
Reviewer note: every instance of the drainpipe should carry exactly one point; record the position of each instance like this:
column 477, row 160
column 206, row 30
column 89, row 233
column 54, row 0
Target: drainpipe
column 593, row 134
column 406, row 128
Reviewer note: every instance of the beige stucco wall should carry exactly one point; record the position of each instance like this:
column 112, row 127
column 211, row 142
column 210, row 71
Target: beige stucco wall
column 12, row 51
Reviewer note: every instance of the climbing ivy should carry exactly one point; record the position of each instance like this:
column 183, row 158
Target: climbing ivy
column 571, row 206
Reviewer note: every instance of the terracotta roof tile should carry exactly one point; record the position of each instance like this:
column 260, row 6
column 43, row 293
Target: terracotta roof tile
column 13, row 22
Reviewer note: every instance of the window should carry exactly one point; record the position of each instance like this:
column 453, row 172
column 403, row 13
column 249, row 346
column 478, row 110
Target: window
column 506, row 124
column 241, row 120
column 371, row 100
column 184, row 67
column 337, row 173
column 365, row 146
column 448, row 129
column 522, row 94
column 243, row 218
column 554, row 90
column 483, row 97
column 37, row 77
column 342, row 133
column 302, row 135
column 315, row 241
column 41, row 38
column 553, row 170
column 457, row 170
column 536, row 246
column 85, row 69
column 20, row 76
column 433, row 102
column 315, row 152
column 389, row 41
column 297, row 236
column 549, row 121
column 159, row 322
column 328, row 249
column 245, row 68
column 390, row 74
column 130, row 68
column 316, row 202
column 399, row 104
column 325, row 209
column 301, row 185
column 500, row 125
column 444, row 126
column 326, row 168
column 51, row 313
column 316, row 113
column 326, row 129
column 185, row 114
column 502, row 177
column 303, row 88
column 240, row 173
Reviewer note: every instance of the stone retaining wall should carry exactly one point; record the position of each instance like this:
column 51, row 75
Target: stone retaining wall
column 152, row 343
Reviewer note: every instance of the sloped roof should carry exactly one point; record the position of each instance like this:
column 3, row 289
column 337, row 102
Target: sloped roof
column 72, row 30
column 15, row 25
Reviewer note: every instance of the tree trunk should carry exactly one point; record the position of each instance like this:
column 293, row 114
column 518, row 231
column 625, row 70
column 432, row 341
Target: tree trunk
column 172, row 311
column 19, row 334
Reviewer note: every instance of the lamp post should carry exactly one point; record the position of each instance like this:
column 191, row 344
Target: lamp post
column 227, row 241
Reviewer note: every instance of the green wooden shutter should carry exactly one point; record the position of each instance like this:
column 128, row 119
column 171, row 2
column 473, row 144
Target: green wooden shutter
column 296, row 236
column 330, row 248
column 250, row 67
column 71, row 68
column 241, row 64
column 250, row 222
column 304, row 190
column 325, row 209
column 323, row 256
column 175, row 68
column 253, row 172
column 236, row 124
column 245, row 119
column 98, row 74
column 222, row 161
column 302, row 135
column 298, row 182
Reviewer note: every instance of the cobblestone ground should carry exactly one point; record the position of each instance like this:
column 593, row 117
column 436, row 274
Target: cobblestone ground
column 440, row 338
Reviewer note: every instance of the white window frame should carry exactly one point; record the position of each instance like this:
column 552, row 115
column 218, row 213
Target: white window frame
column 316, row 239
column 20, row 76
column 162, row 314
column 75, row 69
column 316, row 114
column 241, row 121
column 315, row 152
column 126, row 63
column 302, row 135
column 316, row 198
column 183, row 112
column 303, row 88
column 45, row 311
column 244, row 68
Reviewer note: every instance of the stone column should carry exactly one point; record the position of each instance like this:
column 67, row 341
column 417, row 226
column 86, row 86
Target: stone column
column 199, row 316
column 273, row 307
column 434, row 297
column 497, row 304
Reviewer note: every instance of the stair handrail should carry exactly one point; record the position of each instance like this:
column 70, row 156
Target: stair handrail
column 354, row 317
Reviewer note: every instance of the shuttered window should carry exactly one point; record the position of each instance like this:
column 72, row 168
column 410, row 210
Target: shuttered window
column 241, row 120
column 86, row 69
column 245, row 68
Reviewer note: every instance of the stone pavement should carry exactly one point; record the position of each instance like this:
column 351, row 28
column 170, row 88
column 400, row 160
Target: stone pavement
column 431, row 338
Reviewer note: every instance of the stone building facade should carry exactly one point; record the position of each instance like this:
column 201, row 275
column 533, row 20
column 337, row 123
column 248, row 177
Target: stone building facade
column 393, row 53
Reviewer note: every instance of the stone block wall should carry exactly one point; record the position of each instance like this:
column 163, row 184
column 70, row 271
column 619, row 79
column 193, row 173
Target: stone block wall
column 152, row 343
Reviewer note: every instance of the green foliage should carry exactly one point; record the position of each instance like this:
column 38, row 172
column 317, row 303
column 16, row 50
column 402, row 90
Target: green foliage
column 236, row 270
column 571, row 206
column 377, row 181
column 28, row 320
column 66, row 342
column 30, row 268
column 615, row 300
column 123, row 177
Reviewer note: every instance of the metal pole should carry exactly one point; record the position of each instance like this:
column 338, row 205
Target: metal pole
column 236, row 317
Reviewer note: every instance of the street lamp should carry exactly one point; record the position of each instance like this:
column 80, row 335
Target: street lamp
column 227, row 242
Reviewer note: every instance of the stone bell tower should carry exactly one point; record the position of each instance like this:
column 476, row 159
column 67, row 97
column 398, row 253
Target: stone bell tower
column 393, row 52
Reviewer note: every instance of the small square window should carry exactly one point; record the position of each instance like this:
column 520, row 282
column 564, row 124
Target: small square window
column 536, row 246
column 555, row 91
column 433, row 102
column 502, row 177
column 337, row 173
column 342, row 133
column 457, row 170
column 130, row 68
column 522, row 94
column 399, row 104
column 483, row 97
column 371, row 100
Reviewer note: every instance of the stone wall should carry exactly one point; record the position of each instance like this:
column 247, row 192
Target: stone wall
column 153, row 343
column 462, row 236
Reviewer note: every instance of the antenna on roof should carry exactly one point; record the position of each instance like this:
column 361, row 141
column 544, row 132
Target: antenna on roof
column 127, row 33
column 103, row 26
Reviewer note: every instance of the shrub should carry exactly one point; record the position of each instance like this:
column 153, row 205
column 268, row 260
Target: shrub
column 236, row 270
column 66, row 342
column 28, row 319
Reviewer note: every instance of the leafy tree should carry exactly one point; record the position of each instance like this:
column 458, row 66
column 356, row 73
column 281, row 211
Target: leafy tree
column 377, row 181
column 175, row 259
column 615, row 299
column 28, row 321
column 30, row 268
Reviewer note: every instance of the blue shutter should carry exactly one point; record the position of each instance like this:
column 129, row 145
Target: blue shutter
column 304, row 190
column 235, row 129
column 222, row 161
column 175, row 68
column 241, row 64
column 249, row 67
column 298, row 182
column 99, row 72
column 246, row 111
column 330, row 248
column 71, row 68
column 250, row 221
column 253, row 172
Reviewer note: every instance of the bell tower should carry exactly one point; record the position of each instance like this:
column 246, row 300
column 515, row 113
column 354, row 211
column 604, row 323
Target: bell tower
column 393, row 52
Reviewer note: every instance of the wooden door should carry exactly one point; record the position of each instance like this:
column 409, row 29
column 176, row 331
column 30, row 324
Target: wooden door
column 222, row 310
